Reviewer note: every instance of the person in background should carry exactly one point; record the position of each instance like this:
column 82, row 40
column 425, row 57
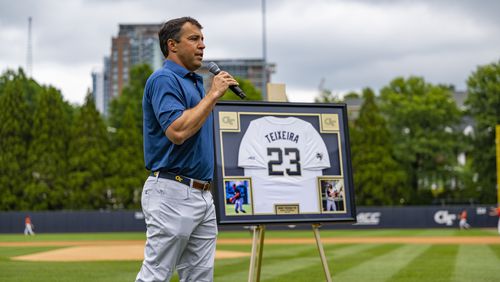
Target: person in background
column 28, row 226
column 496, row 212
column 463, row 220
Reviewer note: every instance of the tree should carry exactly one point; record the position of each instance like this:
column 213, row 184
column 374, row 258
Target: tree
column 423, row 121
column 326, row 96
column 126, row 167
column 14, row 141
column 88, row 159
column 47, row 154
column 127, row 172
column 29, row 87
column 483, row 102
column 247, row 87
column 378, row 179
column 131, row 95
column 351, row 95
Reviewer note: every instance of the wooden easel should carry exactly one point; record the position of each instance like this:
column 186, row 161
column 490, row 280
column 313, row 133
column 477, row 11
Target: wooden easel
column 256, row 257
column 321, row 251
column 258, row 246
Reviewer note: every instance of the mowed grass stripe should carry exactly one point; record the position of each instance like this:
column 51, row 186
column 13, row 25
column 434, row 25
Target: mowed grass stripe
column 289, row 259
column 438, row 258
column 241, row 267
column 337, row 252
column 281, row 253
column 236, row 270
column 281, row 268
column 476, row 263
column 345, row 258
column 291, row 262
column 495, row 249
column 345, row 263
column 64, row 272
column 231, row 262
column 383, row 267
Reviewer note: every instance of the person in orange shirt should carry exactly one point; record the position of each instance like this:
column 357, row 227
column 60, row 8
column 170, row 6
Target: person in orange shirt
column 496, row 212
column 28, row 226
column 463, row 220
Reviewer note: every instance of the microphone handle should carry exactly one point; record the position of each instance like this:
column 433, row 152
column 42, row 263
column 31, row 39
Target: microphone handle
column 215, row 70
column 238, row 91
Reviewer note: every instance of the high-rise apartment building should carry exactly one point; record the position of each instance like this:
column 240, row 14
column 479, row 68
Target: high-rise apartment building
column 101, row 87
column 135, row 44
column 107, row 84
column 138, row 43
column 98, row 90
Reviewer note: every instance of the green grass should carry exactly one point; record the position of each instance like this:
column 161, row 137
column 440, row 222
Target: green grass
column 294, row 262
column 365, row 233
column 72, row 237
column 231, row 212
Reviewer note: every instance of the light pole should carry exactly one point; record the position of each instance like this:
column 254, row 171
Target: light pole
column 264, row 52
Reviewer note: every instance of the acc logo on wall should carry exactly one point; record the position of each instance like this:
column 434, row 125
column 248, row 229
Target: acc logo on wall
column 443, row 217
column 368, row 218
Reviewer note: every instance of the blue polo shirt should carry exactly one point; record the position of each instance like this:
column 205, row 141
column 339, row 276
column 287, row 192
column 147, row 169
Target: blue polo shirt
column 168, row 92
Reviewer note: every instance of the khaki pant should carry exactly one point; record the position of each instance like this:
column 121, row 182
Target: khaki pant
column 181, row 232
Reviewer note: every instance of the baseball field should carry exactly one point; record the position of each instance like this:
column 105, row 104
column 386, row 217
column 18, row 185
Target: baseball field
column 353, row 255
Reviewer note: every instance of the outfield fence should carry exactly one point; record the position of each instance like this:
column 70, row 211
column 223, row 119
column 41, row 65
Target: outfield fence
column 133, row 221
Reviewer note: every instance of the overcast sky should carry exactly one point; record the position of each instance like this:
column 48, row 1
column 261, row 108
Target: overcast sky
column 347, row 44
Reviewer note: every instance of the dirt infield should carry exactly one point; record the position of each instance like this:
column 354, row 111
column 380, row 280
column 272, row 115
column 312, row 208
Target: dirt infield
column 100, row 253
column 134, row 249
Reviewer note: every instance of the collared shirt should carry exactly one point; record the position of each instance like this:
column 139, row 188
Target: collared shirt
column 168, row 92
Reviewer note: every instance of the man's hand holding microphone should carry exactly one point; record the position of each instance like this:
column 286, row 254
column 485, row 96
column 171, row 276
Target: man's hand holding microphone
column 213, row 68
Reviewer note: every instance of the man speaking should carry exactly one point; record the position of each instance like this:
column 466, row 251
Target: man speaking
column 178, row 150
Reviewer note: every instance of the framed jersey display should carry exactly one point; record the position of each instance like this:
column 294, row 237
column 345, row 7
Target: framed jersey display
column 282, row 163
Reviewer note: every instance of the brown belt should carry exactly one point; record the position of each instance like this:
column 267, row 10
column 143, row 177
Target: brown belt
column 200, row 185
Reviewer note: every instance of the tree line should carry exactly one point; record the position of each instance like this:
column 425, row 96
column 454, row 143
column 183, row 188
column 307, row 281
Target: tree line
column 404, row 144
column 407, row 142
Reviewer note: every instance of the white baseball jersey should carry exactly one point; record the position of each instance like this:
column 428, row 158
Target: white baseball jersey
column 283, row 157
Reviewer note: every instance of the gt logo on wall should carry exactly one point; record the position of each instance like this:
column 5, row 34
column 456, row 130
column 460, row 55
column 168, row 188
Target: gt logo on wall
column 282, row 162
column 444, row 217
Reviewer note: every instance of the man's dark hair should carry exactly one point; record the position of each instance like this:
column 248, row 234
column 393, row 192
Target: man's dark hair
column 172, row 30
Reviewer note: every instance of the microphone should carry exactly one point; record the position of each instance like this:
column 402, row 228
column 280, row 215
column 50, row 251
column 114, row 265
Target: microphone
column 214, row 68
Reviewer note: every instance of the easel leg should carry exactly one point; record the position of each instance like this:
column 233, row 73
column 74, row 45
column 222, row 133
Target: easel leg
column 256, row 257
column 324, row 262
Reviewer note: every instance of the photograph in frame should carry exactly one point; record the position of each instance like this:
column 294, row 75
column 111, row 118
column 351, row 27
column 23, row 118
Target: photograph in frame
column 238, row 196
column 332, row 195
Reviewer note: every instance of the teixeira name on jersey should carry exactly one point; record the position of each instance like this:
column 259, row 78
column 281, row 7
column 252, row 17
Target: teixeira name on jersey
column 282, row 135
